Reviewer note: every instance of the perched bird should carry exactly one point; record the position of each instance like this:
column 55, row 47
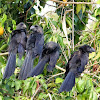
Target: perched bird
column 75, row 67
column 17, row 44
column 50, row 54
column 34, row 48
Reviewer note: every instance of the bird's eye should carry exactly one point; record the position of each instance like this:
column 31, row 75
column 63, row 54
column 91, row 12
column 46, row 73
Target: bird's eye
column 21, row 24
column 36, row 26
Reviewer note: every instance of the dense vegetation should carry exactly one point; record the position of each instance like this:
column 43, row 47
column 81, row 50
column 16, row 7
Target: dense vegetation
column 46, row 85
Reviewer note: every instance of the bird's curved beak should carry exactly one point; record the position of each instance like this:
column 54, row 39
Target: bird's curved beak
column 92, row 50
column 32, row 27
column 24, row 26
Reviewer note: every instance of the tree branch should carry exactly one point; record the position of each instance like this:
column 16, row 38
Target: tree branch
column 74, row 2
column 3, row 54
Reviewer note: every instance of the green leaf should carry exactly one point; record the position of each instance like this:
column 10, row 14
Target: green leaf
column 80, row 97
column 98, row 89
column 95, row 97
column 4, row 18
column 17, row 85
column 51, row 85
column 1, row 97
column 41, row 96
column 97, row 12
column 78, row 8
column 0, row 10
column 59, row 80
column 80, row 86
column 2, row 61
column 69, row 22
column 69, row 98
column 33, row 15
column 83, row 8
column 3, row 47
column 17, row 1
column 14, row 24
column 89, row 84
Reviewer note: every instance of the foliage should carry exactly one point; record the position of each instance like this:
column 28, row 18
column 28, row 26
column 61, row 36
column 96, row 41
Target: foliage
column 87, row 86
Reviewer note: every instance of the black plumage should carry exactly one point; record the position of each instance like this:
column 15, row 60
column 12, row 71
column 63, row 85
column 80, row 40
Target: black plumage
column 17, row 44
column 49, row 55
column 75, row 67
column 34, row 48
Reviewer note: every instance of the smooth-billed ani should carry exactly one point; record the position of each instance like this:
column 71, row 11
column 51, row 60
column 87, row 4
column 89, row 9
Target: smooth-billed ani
column 34, row 48
column 17, row 44
column 50, row 54
column 75, row 67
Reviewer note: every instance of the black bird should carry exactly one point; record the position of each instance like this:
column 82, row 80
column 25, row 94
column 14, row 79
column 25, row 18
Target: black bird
column 75, row 67
column 50, row 54
column 34, row 48
column 17, row 44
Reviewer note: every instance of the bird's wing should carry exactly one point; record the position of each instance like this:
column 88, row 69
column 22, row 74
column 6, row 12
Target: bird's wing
column 39, row 44
column 53, row 59
column 84, row 61
column 75, row 60
column 31, row 42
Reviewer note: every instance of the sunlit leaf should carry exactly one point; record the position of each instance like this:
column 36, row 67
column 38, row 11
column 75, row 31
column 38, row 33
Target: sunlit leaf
column 98, row 89
column 80, row 97
column 89, row 83
column 51, row 85
column 69, row 23
column 83, row 8
column 58, row 80
column 97, row 56
column 91, row 55
column 98, row 2
column 80, row 86
column 78, row 8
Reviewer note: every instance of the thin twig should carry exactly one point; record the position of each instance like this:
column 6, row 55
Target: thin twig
column 50, row 96
column 28, row 11
column 64, row 53
column 32, row 98
column 7, row 93
column 92, row 74
column 3, row 54
column 83, row 23
column 74, row 2
column 47, row 3
column 57, row 67
column 54, row 76
column 52, row 11
column 73, row 27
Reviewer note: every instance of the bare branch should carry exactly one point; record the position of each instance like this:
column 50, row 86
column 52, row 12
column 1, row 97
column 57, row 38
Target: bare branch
column 73, row 27
column 73, row 2
column 3, row 54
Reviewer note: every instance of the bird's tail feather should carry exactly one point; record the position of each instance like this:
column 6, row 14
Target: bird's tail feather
column 39, row 68
column 68, row 83
column 10, row 67
column 27, row 67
